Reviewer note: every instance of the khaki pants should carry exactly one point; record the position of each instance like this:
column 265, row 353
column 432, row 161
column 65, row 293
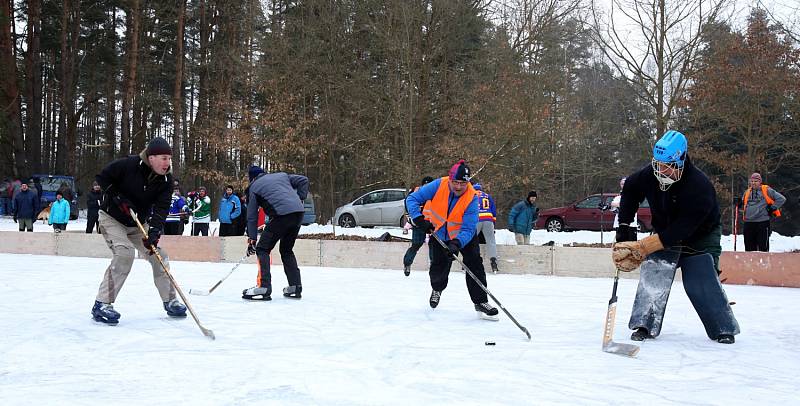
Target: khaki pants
column 123, row 242
column 522, row 239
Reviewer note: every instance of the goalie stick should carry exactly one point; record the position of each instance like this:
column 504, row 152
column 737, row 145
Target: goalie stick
column 628, row 350
column 206, row 332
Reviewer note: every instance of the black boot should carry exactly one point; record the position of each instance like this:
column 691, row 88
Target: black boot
column 435, row 296
column 726, row 339
column 493, row 262
column 407, row 270
column 641, row 334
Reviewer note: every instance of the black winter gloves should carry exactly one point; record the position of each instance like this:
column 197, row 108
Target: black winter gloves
column 454, row 246
column 123, row 203
column 151, row 241
column 626, row 233
column 423, row 225
column 251, row 247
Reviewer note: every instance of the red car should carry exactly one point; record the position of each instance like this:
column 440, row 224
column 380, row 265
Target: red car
column 586, row 214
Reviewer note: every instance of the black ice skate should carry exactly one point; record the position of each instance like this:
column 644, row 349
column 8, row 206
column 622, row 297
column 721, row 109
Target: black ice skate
column 726, row 339
column 257, row 293
column 293, row 291
column 175, row 308
column 641, row 334
column 105, row 313
column 434, row 300
column 486, row 311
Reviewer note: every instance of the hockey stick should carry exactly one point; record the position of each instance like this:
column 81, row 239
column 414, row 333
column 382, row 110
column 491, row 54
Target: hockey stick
column 482, row 286
column 208, row 333
column 201, row 292
column 609, row 345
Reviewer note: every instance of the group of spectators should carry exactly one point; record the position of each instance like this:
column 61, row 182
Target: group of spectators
column 197, row 207
column 22, row 200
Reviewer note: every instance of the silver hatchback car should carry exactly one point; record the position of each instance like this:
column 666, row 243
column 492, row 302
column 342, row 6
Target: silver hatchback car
column 384, row 207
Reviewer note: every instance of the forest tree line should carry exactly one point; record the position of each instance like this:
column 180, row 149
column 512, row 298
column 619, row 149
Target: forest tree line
column 558, row 96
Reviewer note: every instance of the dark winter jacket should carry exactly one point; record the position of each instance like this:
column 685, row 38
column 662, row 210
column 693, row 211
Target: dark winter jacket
column 683, row 214
column 93, row 201
column 26, row 205
column 278, row 193
column 522, row 217
column 134, row 180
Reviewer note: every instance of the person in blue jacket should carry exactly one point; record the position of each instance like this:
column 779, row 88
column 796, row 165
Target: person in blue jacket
column 448, row 208
column 59, row 213
column 230, row 208
column 25, row 207
column 522, row 218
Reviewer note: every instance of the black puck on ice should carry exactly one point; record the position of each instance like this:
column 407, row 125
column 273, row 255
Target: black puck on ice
column 489, row 343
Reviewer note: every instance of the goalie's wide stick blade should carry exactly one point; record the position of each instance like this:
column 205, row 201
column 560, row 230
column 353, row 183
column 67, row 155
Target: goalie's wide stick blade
column 609, row 345
column 199, row 292
column 628, row 350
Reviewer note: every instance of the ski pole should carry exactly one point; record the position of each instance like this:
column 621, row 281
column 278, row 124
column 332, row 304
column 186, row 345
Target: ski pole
column 482, row 286
column 208, row 292
column 208, row 333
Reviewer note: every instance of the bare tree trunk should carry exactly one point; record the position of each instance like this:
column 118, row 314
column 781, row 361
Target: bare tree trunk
column 9, row 93
column 177, row 93
column 33, row 71
column 133, row 22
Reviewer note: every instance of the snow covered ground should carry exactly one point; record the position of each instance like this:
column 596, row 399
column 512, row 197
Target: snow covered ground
column 778, row 243
column 368, row 337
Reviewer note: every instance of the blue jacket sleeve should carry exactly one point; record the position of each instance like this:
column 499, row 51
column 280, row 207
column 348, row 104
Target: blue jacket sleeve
column 492, row 207
column 512, row 216
column 237, row 207
column 299, row 183
column 417, row 199
column 252, row 216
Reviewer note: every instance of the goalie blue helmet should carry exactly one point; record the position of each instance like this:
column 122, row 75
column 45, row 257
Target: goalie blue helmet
column 671, row 148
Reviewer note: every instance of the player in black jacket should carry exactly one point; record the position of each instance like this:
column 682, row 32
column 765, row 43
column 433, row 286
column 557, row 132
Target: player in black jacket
column 686, row 220
column 142, row 183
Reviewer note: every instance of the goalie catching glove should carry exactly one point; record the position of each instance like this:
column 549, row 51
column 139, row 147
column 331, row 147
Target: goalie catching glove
column 629, row 255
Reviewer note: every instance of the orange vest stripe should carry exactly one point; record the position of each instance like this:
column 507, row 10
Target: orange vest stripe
column 435, row 210
column 764, row 193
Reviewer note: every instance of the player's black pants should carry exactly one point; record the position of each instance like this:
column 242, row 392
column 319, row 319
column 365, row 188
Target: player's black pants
column 756, row 236
column 471, row 256
column 284, row 229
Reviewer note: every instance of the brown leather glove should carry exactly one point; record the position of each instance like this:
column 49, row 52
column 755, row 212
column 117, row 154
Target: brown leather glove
column 629, row 255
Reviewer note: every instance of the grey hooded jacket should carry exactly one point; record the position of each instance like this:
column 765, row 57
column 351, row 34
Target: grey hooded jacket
column 278, row 194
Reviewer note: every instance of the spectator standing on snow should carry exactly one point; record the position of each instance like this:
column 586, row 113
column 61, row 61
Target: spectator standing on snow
column 5, row 197
column 230, row 208
column 201, row 212
column 178, row 214
column 487, row 216
column 59, row 213
column 451, row 212
column 686, row 221
column 281, row 196
column 25, row 207
column 141, row 183
column 761, row 203
column 523, row 217
column 93, row 200
column 417, row 236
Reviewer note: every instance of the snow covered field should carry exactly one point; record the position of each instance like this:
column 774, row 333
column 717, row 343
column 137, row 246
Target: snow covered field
column 368, row 337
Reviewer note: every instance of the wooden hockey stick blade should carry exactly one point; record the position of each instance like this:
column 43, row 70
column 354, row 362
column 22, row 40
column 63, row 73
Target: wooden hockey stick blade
column 199, row 292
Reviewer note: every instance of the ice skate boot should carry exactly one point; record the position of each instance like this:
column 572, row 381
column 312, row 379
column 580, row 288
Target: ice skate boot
column 486, row 311
column 641, row 334
column 257, row 293
column 175, row 308
column 434, row 300
column 726, row 339
column 105, row 313
column 293, row 291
